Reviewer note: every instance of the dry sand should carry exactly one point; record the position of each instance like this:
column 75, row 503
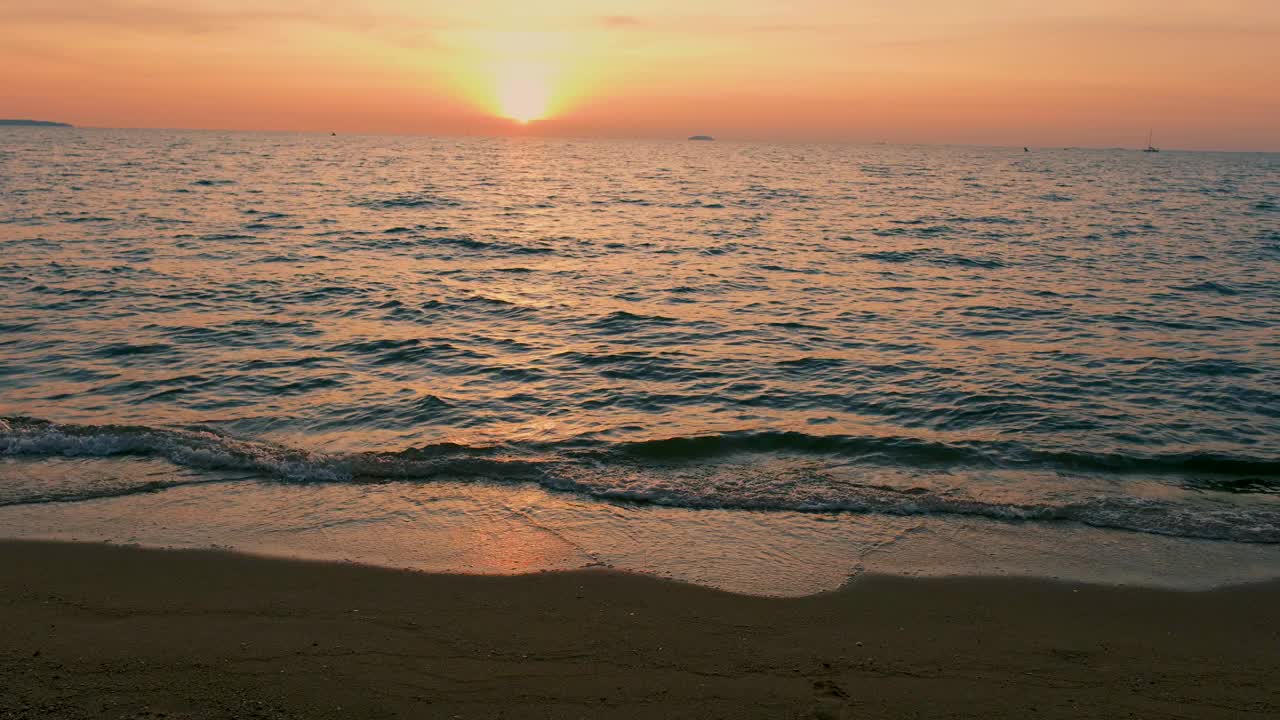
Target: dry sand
column 98, row 631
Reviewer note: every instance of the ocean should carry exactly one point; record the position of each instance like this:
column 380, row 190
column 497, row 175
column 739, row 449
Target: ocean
column 768, row 368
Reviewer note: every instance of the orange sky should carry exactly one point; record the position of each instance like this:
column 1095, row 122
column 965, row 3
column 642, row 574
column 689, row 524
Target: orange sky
column 1203, row 73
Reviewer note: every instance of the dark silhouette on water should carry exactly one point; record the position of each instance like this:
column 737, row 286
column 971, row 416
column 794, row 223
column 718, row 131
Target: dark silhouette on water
column 1150, row 147
column 33, row 123
column 701, row 137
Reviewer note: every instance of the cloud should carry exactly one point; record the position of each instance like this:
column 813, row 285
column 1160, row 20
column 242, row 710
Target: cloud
column 140, row 16
column 196, row 18
column 707, row 25
column 620, row 21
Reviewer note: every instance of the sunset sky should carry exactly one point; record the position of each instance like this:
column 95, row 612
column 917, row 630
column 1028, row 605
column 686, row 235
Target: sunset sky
column 1202, row 73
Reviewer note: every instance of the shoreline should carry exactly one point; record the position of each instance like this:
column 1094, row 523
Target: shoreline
column 487, row 528
column 96, row 630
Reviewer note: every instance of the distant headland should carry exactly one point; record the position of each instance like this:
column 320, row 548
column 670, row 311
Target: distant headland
column 33, row 123
column 701, row 137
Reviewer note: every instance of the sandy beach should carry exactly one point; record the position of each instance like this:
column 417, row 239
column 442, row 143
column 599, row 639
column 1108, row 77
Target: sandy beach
column 102, row 631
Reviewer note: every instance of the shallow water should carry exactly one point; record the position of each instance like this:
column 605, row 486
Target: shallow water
column 1048, row 341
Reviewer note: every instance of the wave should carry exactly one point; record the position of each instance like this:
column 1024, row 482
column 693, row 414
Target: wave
column 932, row 256
column 699, row 473
column 206, row 449
column 410, row 201
column 1208, row 287
column 925, row 453
column 40, row 497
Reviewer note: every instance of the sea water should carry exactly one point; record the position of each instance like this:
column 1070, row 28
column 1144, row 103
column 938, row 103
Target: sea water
column 765, row 367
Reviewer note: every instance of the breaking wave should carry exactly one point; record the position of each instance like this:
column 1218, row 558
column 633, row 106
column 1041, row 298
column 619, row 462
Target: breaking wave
column 702, row 473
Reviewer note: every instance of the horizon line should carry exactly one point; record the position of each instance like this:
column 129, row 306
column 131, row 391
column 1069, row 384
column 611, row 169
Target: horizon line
column 671, row 138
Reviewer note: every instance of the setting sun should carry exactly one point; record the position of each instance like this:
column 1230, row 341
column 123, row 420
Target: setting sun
column 523, row 91
column 518, row 76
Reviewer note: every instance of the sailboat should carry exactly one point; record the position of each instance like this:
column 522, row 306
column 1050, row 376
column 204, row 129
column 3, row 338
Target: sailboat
column 1150, row 147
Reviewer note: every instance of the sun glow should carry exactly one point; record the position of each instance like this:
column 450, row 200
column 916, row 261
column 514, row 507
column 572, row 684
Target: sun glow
column 523, row 91
column 521, row 76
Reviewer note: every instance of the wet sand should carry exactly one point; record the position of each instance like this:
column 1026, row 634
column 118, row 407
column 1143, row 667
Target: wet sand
column 99, row 631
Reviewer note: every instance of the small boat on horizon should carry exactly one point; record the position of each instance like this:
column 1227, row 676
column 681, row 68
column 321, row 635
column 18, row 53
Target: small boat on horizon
column 1150, row 147
column 703, row 138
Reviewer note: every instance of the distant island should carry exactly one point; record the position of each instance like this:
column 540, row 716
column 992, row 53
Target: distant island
column 32, row 123
column 701, row 137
